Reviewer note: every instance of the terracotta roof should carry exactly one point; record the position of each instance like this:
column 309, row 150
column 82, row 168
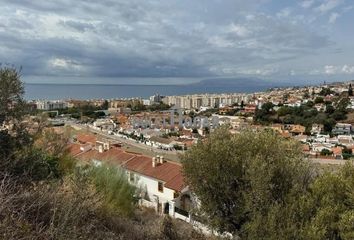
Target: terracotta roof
column 305, row 148
column 74, row 149
column 286, row 134
column 177, row 183
column 170, row 173
column 112, row 156
column 86, row 138
column 187, row 142
column 337, row 150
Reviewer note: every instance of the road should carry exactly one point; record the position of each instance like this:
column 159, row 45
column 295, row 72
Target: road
column 132, row 145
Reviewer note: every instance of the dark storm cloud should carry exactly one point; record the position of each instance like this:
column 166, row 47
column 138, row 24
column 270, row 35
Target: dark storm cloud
column 157, row 38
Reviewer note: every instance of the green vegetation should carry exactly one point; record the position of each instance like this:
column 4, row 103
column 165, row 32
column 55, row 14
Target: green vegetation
column 326, row 152
column 305, row 115
column 326, row 91
column 89, row 111
column 138, row 107
column 118, row 194
column 256, row 185
column 170, row 134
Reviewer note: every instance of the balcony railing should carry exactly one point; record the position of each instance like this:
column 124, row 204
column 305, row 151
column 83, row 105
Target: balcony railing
column 182, row 212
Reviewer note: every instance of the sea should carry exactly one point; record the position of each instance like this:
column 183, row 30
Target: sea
column 101, row 91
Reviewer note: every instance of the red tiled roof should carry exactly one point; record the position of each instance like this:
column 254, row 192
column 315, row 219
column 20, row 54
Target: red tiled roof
column 337, row 150
column 74, row 149
column 170, row 173
column 86, row 138
column 177, row 183
column 112, row 156
column 305, row 147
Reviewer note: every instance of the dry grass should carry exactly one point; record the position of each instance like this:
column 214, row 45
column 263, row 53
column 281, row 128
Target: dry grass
column 71, row 209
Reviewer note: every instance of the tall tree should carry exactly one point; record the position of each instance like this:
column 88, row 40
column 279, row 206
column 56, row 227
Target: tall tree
column 238, row 178
column 12, row 135
column 11, row 95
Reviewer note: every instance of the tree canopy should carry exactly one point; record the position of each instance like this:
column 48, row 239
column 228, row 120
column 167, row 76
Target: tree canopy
column 256, row 185
column 237, row 177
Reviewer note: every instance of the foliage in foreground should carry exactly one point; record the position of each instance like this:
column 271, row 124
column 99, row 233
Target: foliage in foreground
column 257, row 186
column 117, row 193
column 73, row 210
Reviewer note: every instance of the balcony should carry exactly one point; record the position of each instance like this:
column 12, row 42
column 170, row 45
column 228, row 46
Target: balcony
column 182, row 212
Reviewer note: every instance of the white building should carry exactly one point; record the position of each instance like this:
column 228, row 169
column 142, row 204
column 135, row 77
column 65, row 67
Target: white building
column 104, row 124
column 197, row 101
column 51, row 105
column 161, row 182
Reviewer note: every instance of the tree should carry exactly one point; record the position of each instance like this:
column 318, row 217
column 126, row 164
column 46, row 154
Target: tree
column 350, row 90
column 326, row 152
column 238, row 178
column 242, row 105
column 19, row 157
column 11, row 95
column 319, row 100
column 263, row 114
column 326, row 91
column 310, row 103
column 12, row 106
column 331, row 202
column 306, row 95
column 329, row 109
column 284, row 110
column 105, row 105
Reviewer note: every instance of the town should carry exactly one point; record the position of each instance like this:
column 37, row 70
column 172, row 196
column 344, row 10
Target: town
column 320, row 117
column 145, row 137
column 177, row 120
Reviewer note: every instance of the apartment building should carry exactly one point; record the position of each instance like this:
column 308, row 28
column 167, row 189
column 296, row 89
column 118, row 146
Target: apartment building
column 51, row 105
column 205, row 100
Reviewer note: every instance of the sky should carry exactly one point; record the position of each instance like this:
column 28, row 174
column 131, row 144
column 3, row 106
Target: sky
column 177, row 41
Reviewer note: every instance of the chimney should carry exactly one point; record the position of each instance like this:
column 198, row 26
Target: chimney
column 106, row 146
column 100, row 149
column 153, row 162
column 161, row 159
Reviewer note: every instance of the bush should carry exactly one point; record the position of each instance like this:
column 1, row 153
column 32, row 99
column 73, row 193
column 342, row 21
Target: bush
column 74, row 210
column 117, row 193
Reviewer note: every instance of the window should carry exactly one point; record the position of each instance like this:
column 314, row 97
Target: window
column 132, row 177
column 160, row 186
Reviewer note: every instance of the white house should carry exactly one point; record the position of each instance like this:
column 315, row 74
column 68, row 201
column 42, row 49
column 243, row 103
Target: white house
column 104, row 124
column 161, row 182
column 160, row 142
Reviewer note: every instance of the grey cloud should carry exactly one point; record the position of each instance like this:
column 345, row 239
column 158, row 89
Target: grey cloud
column 79, row 26
column 158, row 38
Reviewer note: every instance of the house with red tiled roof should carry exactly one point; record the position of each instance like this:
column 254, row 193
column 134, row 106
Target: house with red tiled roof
column 337, row 152
column 112, row 156
column 86, row 138
column 74, row 149
column 161, row 182
column 162, row 185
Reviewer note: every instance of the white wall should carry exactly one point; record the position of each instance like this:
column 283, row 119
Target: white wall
column 151, row 186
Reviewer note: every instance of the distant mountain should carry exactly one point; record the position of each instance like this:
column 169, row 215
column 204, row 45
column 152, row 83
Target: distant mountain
column 237, row 84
